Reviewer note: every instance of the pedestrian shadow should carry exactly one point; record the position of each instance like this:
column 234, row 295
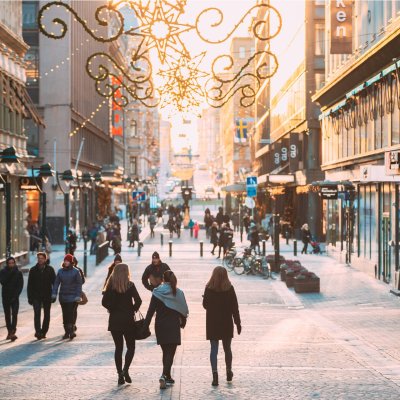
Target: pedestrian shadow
column 126, row 389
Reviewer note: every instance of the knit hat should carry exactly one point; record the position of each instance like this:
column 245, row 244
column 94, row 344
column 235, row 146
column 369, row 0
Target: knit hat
column 69, row 257
column 155, row 255
column 9, row 259
column 118, row 258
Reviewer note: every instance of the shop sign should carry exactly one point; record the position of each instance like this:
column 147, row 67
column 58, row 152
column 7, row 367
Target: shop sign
column 341, row 27
column 139, row 196
column 329, row 192
column 294, row 152
column 392, row 162
column 27, row 184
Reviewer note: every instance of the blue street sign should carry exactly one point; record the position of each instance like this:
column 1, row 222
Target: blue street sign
column 139, row 196
column 251, row 191
column 251, row 180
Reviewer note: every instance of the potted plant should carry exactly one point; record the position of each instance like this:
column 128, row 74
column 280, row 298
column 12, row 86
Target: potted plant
column 292, row 272
column 306, row 282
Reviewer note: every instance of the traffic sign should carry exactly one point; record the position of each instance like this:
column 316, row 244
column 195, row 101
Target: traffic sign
column 251, row 181
column 250, row 203
column 251, row 191
column 139, row 196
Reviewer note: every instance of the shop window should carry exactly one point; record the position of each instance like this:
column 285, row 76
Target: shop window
column 395, row 125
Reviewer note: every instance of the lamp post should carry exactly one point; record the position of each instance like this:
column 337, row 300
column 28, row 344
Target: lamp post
column 45, row 172
column 9, row 157
column 87, row 182
column 68, row 178
column 128, row 184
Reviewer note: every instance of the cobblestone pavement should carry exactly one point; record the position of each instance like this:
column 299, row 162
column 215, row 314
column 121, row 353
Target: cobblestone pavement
column 339, row 344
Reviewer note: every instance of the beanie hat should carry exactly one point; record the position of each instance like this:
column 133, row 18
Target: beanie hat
column 69, row 257
column 155, row 255
column 9, row 259
column 118, row 258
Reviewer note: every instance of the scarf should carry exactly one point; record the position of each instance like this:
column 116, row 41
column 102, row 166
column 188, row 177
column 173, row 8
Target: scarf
column 177, row 303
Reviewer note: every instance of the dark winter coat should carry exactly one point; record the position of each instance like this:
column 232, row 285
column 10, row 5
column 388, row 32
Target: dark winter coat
column 168, row 322
column 71, row 285
column 214, row 235
column 227, row 237
column 134, row 233
column 219, row 218
column 156, row 270
column 305, row 235
column 40, row 283
column 12, row 283
column 222, row 309
column 121, row 308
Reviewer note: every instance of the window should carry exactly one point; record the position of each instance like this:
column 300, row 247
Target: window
column 319, row 81
column 242, row 52
column 319, row 39
column 133, row 166
column 30, row 11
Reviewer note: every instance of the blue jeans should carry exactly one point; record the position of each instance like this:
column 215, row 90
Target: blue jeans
column 226, row 343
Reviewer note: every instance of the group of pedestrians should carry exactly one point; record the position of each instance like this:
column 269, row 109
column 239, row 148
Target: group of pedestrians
column 43, row 287
column 168, row 303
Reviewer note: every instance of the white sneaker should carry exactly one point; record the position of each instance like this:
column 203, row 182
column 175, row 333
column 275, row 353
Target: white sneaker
column 163, row 382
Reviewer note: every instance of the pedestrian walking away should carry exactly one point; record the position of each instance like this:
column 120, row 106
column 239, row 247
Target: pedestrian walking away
column 75, row 262
column 153, row 274
column 214, row 236
column 12, row 283
column 169, row 304
column 117, row 298
column 152, row 222
column 305, row 237
column 40, row 284
column 69, row 281
column 222, row 311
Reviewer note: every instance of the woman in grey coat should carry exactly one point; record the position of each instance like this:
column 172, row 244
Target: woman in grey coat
column 69, row 281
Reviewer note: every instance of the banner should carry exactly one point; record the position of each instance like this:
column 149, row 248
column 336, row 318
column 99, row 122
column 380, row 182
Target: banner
column 241, row 130
column 117, row 121
column 341, row 27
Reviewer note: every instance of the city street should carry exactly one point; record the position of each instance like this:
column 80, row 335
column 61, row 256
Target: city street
column 339, row 344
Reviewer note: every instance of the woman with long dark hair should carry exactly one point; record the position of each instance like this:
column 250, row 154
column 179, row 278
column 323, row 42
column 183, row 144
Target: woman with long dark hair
column 169, row 304
column 117, row 298
column 222, row 307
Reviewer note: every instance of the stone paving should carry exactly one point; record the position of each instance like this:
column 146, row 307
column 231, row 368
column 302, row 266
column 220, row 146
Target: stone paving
column 339, row 344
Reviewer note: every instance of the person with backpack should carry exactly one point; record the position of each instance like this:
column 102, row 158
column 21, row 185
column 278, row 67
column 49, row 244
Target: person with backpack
column 222, row 311
column 169, row 304
column 40, row 284
column 117, row 298
column 69, row 281
column 12, row 283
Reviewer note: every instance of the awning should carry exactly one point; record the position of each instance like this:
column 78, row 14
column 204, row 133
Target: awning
column 235, row 188
column 17, row 98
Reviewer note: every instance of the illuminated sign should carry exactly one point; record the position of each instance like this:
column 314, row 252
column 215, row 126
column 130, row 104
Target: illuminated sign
column 117, row 128
column 341, row 27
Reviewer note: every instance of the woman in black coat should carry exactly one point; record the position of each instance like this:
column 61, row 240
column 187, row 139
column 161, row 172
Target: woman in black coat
column 117, row 298
column 222, row 307
column 169, row 304
column 214, row 236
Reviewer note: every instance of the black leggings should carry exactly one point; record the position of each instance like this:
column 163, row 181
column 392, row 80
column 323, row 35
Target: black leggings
column 118, row 337
column 168, row 358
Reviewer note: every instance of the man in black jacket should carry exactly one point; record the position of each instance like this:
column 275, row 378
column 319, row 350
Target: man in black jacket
column 12, row 281
column 40, row 284
column 154, row 272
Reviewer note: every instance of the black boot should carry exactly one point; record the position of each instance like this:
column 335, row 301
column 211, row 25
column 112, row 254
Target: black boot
column 215, row 379
column 229, row 375
column 121, row 379
column 66, row 334
column 126, row 376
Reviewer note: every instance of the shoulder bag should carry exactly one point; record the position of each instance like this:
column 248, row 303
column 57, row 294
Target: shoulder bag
column 140, row 331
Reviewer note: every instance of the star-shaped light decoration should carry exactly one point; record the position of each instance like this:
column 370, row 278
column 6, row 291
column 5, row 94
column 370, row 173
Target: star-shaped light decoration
column 182, row 87
column 160, row 28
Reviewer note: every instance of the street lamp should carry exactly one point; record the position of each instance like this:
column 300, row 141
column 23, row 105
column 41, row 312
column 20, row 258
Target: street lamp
column 68, row 178
column 45, row 172
column 86, row 180
column 9, row 157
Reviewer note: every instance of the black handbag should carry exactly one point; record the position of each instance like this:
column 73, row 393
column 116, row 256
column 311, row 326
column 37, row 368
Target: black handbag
column 140, row 331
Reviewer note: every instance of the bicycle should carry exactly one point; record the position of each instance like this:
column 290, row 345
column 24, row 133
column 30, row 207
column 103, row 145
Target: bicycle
column 227, row 261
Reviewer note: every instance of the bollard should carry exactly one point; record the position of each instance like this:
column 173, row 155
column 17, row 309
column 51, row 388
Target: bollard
column 263, row 247
column 162, row 239
column 287, row 237
column 170, row 248
column 139, row 249
column 295, row 247
column 191, row 232
column 201, row 248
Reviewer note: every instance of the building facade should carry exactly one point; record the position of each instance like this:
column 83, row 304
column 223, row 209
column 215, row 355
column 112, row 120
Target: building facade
column 16, row 109
column 361, row 135
column 287, row 131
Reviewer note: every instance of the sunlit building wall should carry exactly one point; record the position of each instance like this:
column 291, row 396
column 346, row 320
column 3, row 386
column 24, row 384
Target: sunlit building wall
column 360, row 127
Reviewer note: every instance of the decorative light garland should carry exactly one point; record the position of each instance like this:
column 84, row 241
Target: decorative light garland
column 92, row 115
column 160, row 28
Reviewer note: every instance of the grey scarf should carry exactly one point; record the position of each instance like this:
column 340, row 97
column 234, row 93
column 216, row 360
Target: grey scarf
column 177, row 303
